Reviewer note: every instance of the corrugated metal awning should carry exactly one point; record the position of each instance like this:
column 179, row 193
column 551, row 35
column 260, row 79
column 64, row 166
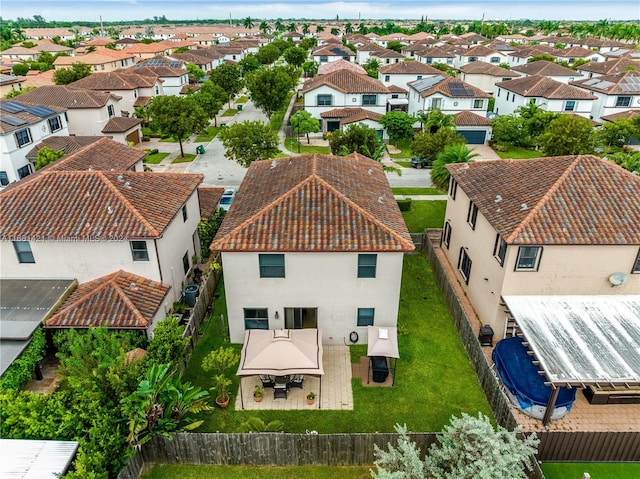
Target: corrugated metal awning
column 35, row 459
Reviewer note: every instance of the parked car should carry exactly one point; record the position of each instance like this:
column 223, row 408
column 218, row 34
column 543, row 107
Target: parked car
column 420, row 163
column 227, row 198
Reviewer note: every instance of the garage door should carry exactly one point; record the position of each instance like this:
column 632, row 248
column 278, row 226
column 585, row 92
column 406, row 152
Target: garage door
column 473, row 137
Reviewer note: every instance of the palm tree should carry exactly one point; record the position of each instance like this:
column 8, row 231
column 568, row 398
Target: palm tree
column 319, row 28
column 362, row 29
column 433, row 120
column 248, row 23
column 264, row 27
column 305, row 28
column 292, row 27
column 335, row 31
column 278, row 25
column 348, row 28
column 456, row 153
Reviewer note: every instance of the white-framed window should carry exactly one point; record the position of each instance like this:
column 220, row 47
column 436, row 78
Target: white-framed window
column 495, row 59
column 111, row 111
column 271, row 265
column 623, row 101
column 23, row 137
column 185, row 262
column 184, row 213
column 24, row 171
column 387, row 78
column 446, row 234
column 500, row 249
column 324, row 100
column 473, row 59
column 528, row 258
column 472, row 215
column 4, row 178
column 478, row 104
column 23, row 251
column 436, row 103
column 55, row 124
column 569, row 105
column 367, row 265
column 464, row 265
column 139, row 250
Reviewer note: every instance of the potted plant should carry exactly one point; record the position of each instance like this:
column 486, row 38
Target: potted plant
column 221, row 387
column 258, row 393
column 311, row 397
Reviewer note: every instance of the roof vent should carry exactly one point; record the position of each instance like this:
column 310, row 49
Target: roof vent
column 132, row 285
column 127, row 184
column 380, row 199
column 273, row 164
column 498, row 198
column 523, row 207
column 120, row 178
column 370, row 170
column 109, row 209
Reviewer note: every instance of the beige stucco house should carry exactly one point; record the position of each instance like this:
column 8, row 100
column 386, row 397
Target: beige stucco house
column 546, row 226
column 314, row 241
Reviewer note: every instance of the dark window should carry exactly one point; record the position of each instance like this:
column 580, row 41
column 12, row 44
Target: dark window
column 256, row 318
column 464, row 265
column 499, row 90
column 324, row 58
column 369, row 99
column 23, row 137
column 54, row 124
column 365, row 316
column 446, row 234
column 478, row 104
column 453, row 188
column 367, row 265
column 271, row 265
column 4, row 179
column 184, row 213
column 110, row 110
column 23, row 250
column 324, row 100
column 569, row 105
column 386, row 78
column 528, row 258
column 419, row 77
column 139, row 250
column 185, row 262
column 24, row 171
column 495, row 59
column 636, row 266
column 473, row 59
column 623, row 101
column 500, row 249
column 472, row 215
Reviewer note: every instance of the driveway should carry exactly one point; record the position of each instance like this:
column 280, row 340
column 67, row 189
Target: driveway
column 485, row 152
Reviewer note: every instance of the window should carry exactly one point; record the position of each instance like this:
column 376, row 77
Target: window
column 387, row 78
column 429, row 60
column 256, row 318
column 271, row 265
column 24, row 171
column 464, row 265
column 419, row 77
column 495, row 59
column 473, row 59
column 478, row 104
column 185, row 262
column 23, row 250
column 472, row 215
column 569, row 105
column 623, row 101
column 446, row 234
column 54, row 124
column 367, row 265
column 157, row 90
column 324, row 58
column 500, row 249
column 499, row 90
column 110, row 110
column 365, row 316
column 4, row 179
column 23, row 137
column 528, row 258
column 324, row 100
column 135, row 93
column 184, row 213
column 102, row 67
column 139, row 250
column 369, row 99
column 453, row 188
column 507, row 96
column 436, row 103
column 636, row 266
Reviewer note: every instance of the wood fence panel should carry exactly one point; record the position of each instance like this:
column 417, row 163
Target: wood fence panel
column 589, row 446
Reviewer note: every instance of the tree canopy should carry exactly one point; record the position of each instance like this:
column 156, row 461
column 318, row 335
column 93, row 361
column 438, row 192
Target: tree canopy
column 77, row 71
column 429, row 145
column 568, row 135
column 303, row 123
column 456, row 153
column 229, row 77
column 399, row 125
column 295, row 56
column 249, row 141
column 179, row 117
column 269, row 88
column 46, row 156
column 267, row 54
column 211, row 98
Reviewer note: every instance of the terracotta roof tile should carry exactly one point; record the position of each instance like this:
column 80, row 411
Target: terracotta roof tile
column 484, row 68
column 117, row 80
column 314, row 203
column 611, row 67
column 120, row 124
column 539, row 86
column 341, row 64
column 27, row 117
column 559, row 200
column 351, row 115
column 66, row 97
column 208, row 198
column 545, row 68
column 408, row 68
column 443, row 86
column 95, row 204
column 119, row 300
column 66, row 144
column 346, row 81
column 468, row 118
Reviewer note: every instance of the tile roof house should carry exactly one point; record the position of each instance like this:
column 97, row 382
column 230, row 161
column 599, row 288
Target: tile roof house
column 571, row 54
column 447, row 94
column 478, row 53
column 476, row 129
column 545, row 226
column 332, row 52
column 548, row 95
column 102, row 60
column 172, row 74
column 614, row 93
column 548, row 69
column 319, row 241
column 485, row 75
column 609, row 67
column 87, row 224
column 10, row 83
column 366, row 50
column 119, row 300
column 432, row 55
column 23, row 124
column 88, row 111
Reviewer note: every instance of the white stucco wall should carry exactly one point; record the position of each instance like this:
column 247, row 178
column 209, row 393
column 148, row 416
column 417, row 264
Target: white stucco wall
column 91, row 121
column 341, row 100
column 327, row 281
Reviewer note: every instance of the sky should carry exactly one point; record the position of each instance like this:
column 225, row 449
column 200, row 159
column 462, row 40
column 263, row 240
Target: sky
column 125, row 10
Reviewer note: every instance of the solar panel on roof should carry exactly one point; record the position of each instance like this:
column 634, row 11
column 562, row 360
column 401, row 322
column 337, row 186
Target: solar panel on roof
column 12, row 120
column 41, row 111
column 427, row 82
column 12, row 106
column 459, row 89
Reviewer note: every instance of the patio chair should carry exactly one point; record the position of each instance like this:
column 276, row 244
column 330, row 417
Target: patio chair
column 296, row 381
column 280, row 387
column 267, row 381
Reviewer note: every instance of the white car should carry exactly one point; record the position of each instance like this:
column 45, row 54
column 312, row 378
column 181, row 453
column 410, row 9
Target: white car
column 227, row 198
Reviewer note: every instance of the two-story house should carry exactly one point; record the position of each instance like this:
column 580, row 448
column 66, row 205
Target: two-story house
column 21, row 126
column 318, row 241
column 485, row 75
column 448, row 94
column 547, row 94
column 548, row 69
column 332, row 52
column 479, row 53
column 101, row 60
column 545, row 226
column 614, row 93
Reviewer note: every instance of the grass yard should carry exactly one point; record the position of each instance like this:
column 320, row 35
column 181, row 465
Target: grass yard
column 155, row 158
column 305, row 149
column 425, row 214
column 168, row 139
column 434, row 377
column 230, row 112
column 242, row 99
column 417, row 191
column 404, row 164
column 255, row 472
column 208, row 134
column 188, row 157
column 405, row 150
column 597, row 470
column 518, row 153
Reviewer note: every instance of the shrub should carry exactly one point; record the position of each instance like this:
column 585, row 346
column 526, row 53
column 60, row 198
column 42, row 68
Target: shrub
column 404, row 204
column 21, row 370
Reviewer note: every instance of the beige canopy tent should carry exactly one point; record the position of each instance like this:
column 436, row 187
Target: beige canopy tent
column 281, row 352
column 383, row 341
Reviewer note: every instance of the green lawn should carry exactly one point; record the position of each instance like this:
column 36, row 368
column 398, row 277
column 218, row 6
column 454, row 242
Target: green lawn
column 404, row 164
column 155, row 158
column 597, row 470
column 256, row 472
column 425, row 214
column 230, row 112
column 434, row 377
column 518, row 153
column 168, row 139
column 208, row 134
column 304, row 148
column 188, row 157
column 417, row 191
column 405, row 150
column 242, row 99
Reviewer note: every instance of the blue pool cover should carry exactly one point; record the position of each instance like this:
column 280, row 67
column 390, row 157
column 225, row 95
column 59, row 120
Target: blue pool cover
column 520, row 376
